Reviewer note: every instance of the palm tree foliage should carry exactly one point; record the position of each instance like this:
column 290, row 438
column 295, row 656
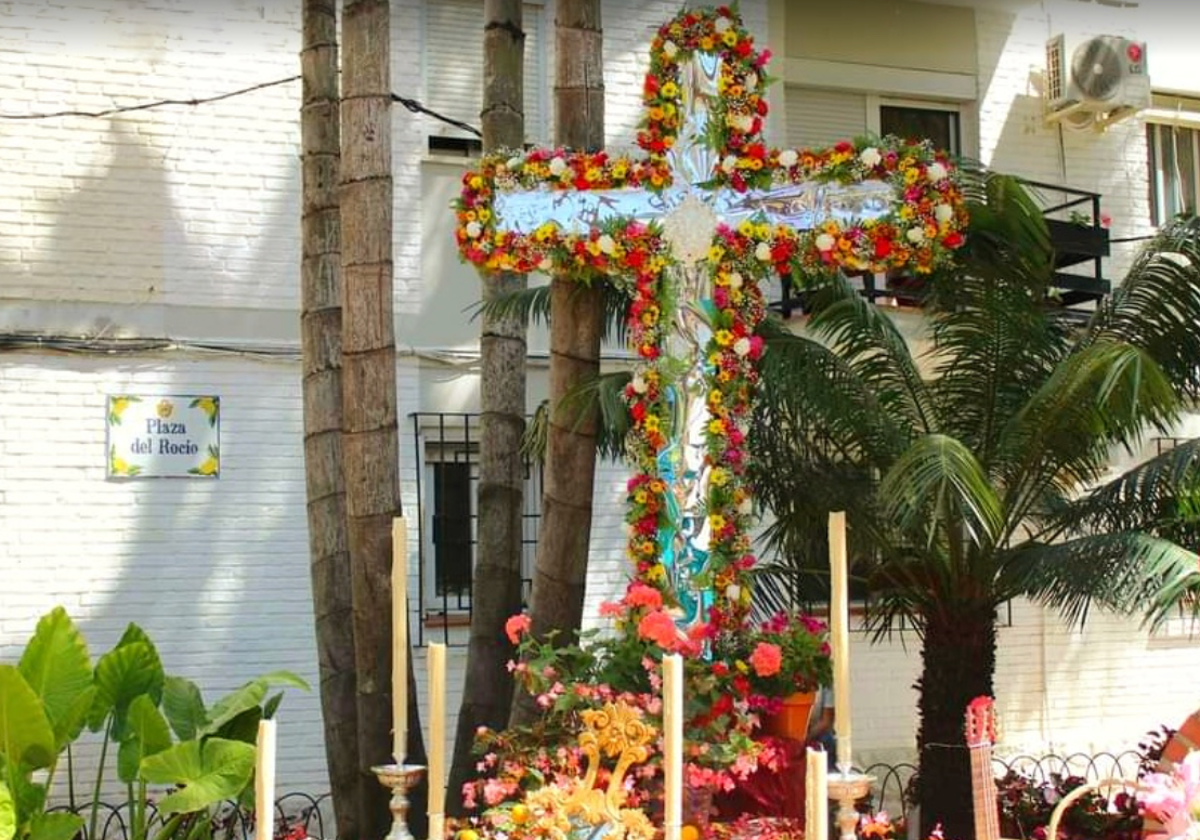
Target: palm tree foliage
column 976, row 470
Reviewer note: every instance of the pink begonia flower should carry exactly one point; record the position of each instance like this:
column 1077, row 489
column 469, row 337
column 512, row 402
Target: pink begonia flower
column 494, row 791
column 1174, row 798
column 658, row 627
column 517, row 626
column 641, row 595
column 766, row 659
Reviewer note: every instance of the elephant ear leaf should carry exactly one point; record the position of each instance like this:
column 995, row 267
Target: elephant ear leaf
column 58, row 825
column 206, row 773
column 8, row 814
column 146, row 733
column 130, row 669
column 58, row 668
column 183, row 705
column 25, row 733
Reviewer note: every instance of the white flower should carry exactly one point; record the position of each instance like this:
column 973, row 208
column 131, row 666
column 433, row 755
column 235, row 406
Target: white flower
column 735, row 280
column 751, row 80
column 733, row 592
column 762, row 251
column 916, row 235
column 729, row 163
column 740, row 122
column 825, row 242
column 545, row 263
column 943, row 213
column 788, row 158
column 936, row 172
column 870, row 157
column 670, row 49
column 745, row 506
column 640, row 386
column 742, row 346
column 474, row 229
column 557, row 166
column 606, row 243
column 721, row 24
column 515, row 161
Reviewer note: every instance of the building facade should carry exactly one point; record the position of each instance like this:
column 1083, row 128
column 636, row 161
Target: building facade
column 155, row 252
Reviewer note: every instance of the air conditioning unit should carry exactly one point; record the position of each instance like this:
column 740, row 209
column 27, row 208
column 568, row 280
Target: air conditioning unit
column 1096, row 80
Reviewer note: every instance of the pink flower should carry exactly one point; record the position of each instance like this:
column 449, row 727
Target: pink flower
column 516, row 627
column 609, row 609
column 641, row 595
column 767, row 659
column 494, row 791
column 468, row 795
column 658, row 627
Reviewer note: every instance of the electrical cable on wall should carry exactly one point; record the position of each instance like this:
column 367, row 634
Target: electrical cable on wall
column 411, row 104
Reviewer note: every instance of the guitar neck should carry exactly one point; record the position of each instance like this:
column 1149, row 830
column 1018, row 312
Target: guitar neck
column 983, row 787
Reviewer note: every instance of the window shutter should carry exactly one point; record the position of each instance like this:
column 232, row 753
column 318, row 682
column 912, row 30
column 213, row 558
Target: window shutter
column 820, row 118
column 453, row 46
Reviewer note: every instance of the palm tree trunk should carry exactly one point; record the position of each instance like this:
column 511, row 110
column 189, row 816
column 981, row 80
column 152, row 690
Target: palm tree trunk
column 496, row 582
column 370, row 438
column 576, row 326
column 958, row 656
column 321, row 342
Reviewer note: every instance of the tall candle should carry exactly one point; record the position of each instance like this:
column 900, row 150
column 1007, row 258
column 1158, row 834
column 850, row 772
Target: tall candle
column 437, row 740
column 399, row 639
column 672, row 746
column 816, row 817
column 264, row 780
column 839, row 615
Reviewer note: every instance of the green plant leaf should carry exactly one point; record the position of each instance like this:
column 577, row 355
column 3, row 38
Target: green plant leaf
column 26, row 736
column 58, row 668
column 183, row 705
column 8, row 813
column 243, row 728
column 249, row 696
column 146, row 733
column 208, row 773
column 59, row 825
column 129, row 669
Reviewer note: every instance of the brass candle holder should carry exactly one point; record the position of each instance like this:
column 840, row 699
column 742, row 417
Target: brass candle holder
column 399, row 779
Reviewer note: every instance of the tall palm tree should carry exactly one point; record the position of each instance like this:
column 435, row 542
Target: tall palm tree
column 576, row 325
column 975, row 473
column 321, row 342
column 496, row 581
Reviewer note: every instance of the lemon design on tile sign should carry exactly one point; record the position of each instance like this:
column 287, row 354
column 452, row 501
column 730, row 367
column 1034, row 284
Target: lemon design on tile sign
column 117, row 406
column 211, row 465
column 209, row 405
column 119, row 466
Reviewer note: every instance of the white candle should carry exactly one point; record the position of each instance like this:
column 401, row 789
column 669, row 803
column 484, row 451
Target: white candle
column 839, row 616
column 264, row 780
column 816, row 818
column 437, row 740
column 672, row 746
column 399, row 639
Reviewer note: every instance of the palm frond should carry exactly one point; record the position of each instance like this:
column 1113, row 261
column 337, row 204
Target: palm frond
column 603, row 394
column 1157, row 306
column 532, row 306
column 1154, row 496
column 870, row 343
column 1102, row 395
column 1130, row 572
column 938, row 484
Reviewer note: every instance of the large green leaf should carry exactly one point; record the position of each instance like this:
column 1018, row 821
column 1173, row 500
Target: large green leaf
column 183, row 705
column 26, row 736
column 208, row 773
column 58, row 825
column 58, row 668
column 130, row 669
column 8, row 813
column 146, row 733
column 249, row 696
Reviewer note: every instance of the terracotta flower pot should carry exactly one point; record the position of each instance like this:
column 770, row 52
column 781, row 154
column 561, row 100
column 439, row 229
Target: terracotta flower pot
column 791, row 721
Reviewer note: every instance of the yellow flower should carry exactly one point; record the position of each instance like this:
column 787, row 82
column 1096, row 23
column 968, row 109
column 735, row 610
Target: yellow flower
column 723, row 338
column 716, row 426
column 657, row 486
column 730, row 38
column 484, row 214
column 911, row 176
column 746, row 228
column 715, row 397
column 476, row 182
column 715, row 252
column 705, row 44
column 719, row 477
column 741, row 666
column 652, row 423
column 592, row 174
column 670, row 90
column 640, row 497
column 656, row 573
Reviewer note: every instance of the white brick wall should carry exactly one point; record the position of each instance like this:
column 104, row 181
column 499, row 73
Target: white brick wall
column 185, row 219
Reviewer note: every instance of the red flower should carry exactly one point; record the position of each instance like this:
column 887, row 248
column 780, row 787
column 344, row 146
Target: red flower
column 517, row 626
column 766, row 659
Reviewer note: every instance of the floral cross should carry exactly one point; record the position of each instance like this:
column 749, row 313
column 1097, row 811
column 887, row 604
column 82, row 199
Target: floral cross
column 689, row 230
